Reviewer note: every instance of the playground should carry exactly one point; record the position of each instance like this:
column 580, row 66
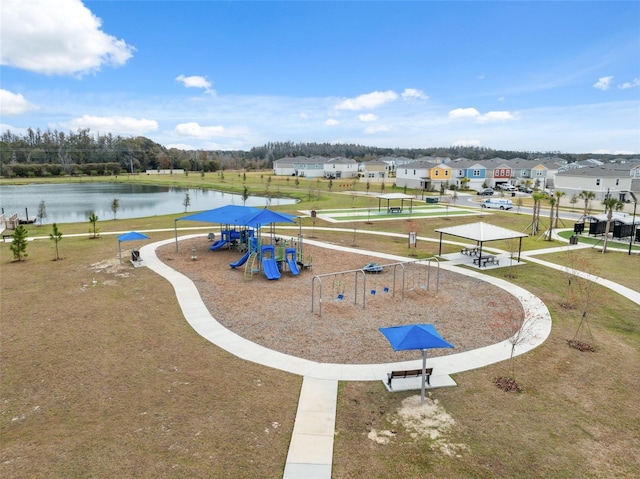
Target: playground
column 277, row 314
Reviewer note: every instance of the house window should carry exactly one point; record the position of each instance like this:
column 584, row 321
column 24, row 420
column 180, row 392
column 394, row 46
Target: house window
column 617, row 181
column 446, row 172
column 460, row 173
column 476, row 172
column 414, row 172
column 437, row 173
column 597, row 181
column 538, row 172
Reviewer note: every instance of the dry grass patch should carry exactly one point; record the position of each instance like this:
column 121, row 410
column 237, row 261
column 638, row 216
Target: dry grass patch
column 110, row 380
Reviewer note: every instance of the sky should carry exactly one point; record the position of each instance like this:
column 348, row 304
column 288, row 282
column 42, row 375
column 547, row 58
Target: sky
column 544, row 76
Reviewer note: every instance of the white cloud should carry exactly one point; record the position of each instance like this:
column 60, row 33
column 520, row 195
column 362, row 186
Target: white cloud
column 122, row 125
column 603, row 83
column 194, row 130
column 13, row 104
column 462, row 113
column 367, row 101
column 630, row 84
column 495, row 116
column 473, row 114
column 332, row 122
column 59, row 37
column 367, row 117
column 195, row 81
column 413, row 94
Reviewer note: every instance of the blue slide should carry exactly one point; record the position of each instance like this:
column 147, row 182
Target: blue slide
column 269, row 264
column 218, row 244
column 270, row 268
column 241, row 261
column 291, row 261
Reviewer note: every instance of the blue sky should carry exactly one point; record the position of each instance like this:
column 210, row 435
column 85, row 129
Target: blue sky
column 529, row 76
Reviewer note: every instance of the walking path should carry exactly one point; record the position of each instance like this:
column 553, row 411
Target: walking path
column 311, row 449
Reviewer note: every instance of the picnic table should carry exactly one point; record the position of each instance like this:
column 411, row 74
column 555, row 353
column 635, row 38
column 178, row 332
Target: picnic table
column 470, row 250
column 486, row 259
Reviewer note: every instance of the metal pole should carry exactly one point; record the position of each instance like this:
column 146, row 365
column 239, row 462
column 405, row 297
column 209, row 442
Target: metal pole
column 424, row 374
column 633, row 221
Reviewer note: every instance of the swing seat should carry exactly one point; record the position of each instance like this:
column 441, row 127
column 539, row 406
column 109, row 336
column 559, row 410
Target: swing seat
column 340, row 297
column 386, row 290
column 373, row 292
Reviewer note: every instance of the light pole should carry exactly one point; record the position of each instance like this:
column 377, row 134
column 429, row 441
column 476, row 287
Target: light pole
column 633, row 221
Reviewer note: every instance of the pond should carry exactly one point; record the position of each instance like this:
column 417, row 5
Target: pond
column 74, row 202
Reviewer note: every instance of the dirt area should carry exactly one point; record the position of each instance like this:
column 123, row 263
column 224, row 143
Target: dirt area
column 277, row 314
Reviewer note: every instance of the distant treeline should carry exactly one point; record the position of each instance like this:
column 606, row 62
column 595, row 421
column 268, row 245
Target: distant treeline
column 53, row 153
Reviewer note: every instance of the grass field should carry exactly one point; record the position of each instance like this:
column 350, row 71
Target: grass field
column 110, row 381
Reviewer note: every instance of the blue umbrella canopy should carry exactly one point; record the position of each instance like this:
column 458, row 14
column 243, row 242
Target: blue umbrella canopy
column 132, row 236
column 414, row 336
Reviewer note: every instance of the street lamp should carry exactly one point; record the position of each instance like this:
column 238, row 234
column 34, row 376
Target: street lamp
column 633, row 221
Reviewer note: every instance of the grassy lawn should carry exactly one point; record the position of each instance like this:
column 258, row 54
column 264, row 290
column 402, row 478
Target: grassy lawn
column 110, row 380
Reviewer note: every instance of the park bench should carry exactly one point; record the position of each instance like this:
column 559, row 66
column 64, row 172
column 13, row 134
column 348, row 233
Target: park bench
column 6, row 236
column 395, row 209
column 409, row 373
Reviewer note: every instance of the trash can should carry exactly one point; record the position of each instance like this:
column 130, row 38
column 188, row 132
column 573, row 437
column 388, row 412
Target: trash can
column 135, row 255
column 573, row 239
column 513, row 193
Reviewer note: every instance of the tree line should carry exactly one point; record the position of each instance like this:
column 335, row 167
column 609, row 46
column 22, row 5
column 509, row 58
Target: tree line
column 53, row 153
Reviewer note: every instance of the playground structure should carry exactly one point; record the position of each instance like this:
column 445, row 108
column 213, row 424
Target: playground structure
column 271, row 259
column 414, row 276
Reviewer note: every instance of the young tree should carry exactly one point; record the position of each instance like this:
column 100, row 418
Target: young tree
column 42, row 212
column 115, row 205
column 186, row 202
column 537, row 198
column 552, row 204
column 93, row 219
column 610, row 204
column 586, row 196
column 518, row 328
column 56, row 237
column 573, row 200
column 19, row 244
column 245, row 195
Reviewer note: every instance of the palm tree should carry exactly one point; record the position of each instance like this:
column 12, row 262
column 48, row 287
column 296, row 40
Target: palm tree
column 586, row 196
column 552, row 203
column 93, row 219
column 610, row 204
column 537, row 197
column 559, row 194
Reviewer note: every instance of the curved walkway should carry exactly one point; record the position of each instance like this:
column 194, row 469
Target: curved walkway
column 311, row 448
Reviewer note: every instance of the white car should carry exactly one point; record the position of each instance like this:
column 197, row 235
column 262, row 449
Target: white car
column 497, row 203
column 507, row 187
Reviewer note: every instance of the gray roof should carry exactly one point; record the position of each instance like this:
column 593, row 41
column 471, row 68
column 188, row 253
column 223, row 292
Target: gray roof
column 481, row 232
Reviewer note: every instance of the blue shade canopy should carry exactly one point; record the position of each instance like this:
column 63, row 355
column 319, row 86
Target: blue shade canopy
column 132, row 236
column 266, row 217
column 241, row 216
column 414, row 336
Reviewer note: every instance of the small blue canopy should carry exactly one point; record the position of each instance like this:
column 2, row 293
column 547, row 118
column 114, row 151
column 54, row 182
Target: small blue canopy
column 414, row 336
column 132, row 236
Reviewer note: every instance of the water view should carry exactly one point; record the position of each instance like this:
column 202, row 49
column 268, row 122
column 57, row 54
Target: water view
column 73, row 203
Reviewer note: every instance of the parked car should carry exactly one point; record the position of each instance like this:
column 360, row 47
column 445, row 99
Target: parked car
column 507, row 187
column 486, row 192
column 498, row 203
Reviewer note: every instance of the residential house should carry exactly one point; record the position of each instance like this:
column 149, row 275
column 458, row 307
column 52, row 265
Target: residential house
column 423, row 175
column 375, row 171
column 340, row 167
column 498, row 172
column 471, row 170
column 613, row 179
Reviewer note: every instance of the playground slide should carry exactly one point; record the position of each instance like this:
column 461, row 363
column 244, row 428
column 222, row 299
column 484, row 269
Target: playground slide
column 293, row 265
column 218, row 244
column 241, row 261
column 270, row 268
